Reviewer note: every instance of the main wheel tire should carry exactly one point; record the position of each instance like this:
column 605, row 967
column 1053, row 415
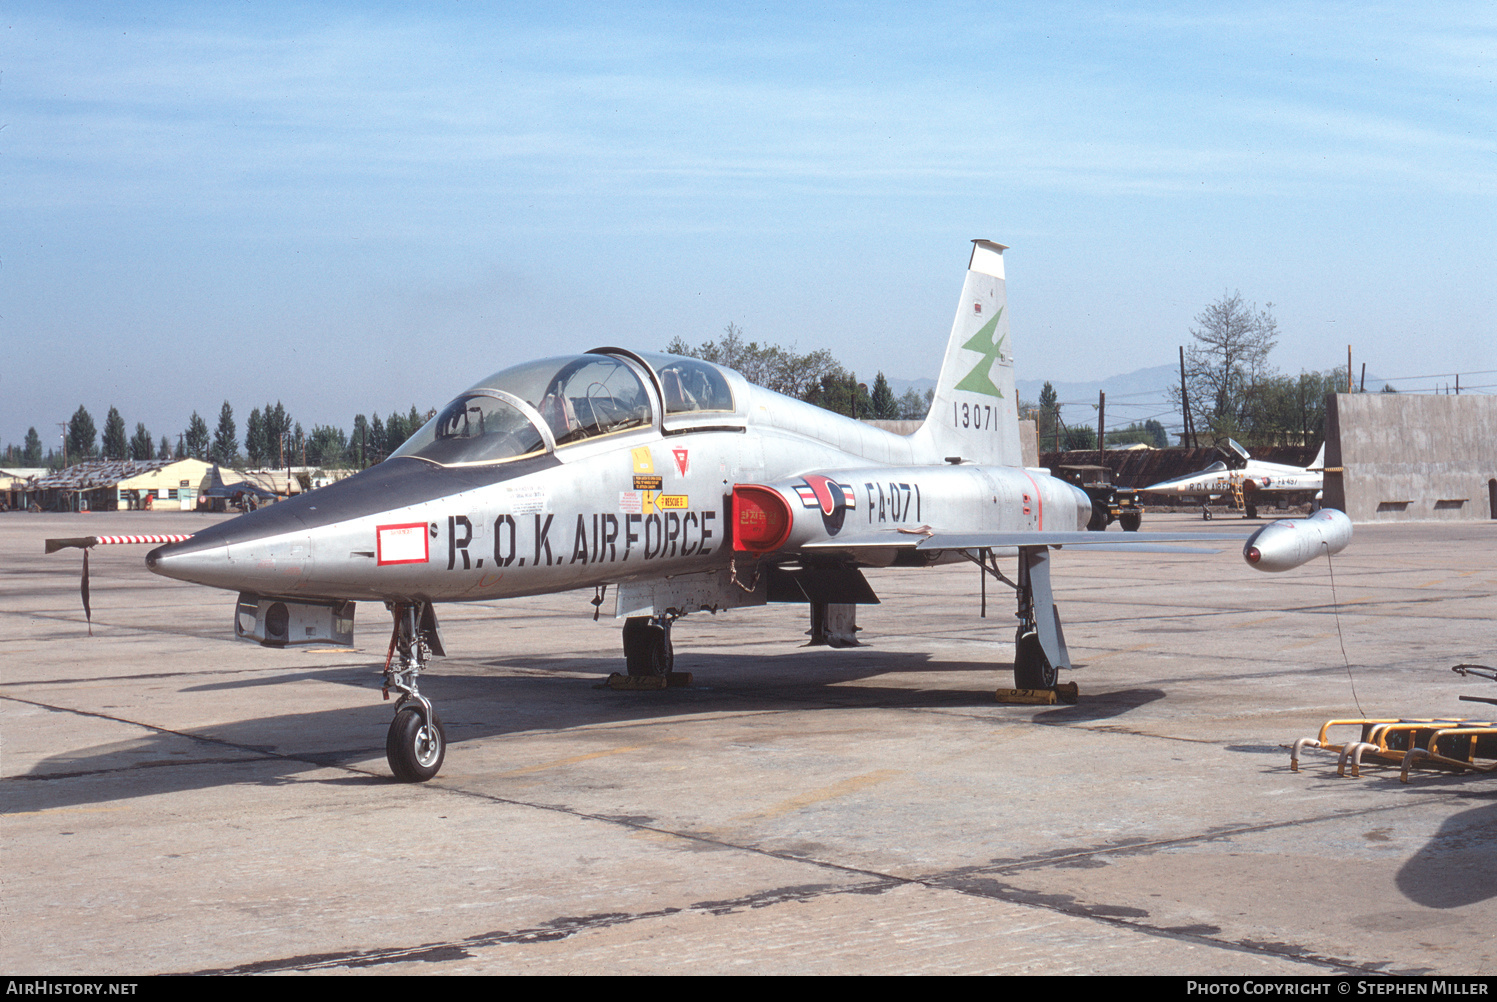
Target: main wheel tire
column 1130, row 521
column 415, row 752
column 647, row 647
column 1032, row 670
column 1250, row 511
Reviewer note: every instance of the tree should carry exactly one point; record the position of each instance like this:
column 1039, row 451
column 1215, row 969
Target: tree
column 378, row 440
column 165, row 452
column 115, row 445
column 1047, row 420
column 1288, row 410
column 256, row 446
column 277, row 444
column 225, row 450
column 195, row 438
column 394, row 433
column 398, row 428
column 770, row 366
column 326, row 447
column 31, row 454
column 884, row 404
column 141, row 446
column 1080, row 439
column 1229, row 357
column 914, row 405
column 358, row 443
column 81, row 435
column 841, row 393
column 1150, row 433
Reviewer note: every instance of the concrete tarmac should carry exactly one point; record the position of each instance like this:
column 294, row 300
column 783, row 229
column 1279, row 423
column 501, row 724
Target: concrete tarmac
column 176, row 801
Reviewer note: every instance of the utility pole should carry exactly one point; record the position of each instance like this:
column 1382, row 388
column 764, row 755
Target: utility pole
column 1187, row 432
column 1102, row 425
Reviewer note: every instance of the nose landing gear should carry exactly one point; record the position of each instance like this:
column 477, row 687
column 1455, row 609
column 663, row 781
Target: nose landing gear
column 416, row 743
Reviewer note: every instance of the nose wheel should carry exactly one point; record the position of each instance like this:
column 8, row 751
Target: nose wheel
column 417, row 742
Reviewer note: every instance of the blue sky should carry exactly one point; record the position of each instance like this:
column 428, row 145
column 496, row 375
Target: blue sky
column 353, row 208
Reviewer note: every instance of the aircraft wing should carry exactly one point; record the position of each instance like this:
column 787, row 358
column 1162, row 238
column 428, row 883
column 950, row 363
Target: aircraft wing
column 1131, row 542
column 1093, row 540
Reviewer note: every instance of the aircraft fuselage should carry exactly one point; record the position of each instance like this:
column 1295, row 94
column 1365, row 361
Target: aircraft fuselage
column 637, row 504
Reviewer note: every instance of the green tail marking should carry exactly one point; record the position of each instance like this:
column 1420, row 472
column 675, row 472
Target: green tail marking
column 979, row 380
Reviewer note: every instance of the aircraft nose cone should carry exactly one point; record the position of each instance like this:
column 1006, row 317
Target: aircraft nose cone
column 186, row 562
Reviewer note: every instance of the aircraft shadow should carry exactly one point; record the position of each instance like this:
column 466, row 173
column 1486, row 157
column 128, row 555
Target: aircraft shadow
column 1454, row 867
column 548, row 697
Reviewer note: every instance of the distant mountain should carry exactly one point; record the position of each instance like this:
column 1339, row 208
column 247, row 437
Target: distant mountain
column 1136, row 396
column 899, row 386
column 1151, row 384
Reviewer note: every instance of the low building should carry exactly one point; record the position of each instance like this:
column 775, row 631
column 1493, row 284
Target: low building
column 123, row 485
column 18, row 486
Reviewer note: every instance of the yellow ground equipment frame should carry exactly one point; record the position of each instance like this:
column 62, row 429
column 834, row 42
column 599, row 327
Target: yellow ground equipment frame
column 1440, row 743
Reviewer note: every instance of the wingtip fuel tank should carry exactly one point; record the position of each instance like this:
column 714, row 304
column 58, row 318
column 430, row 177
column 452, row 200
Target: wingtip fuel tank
column 1288, row 543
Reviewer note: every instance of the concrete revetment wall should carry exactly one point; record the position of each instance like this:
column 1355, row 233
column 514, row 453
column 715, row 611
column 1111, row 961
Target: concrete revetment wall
column 1407, row 458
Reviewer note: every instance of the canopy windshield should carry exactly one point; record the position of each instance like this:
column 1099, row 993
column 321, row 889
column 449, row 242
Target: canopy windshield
column 580, row 397
column 475, row 428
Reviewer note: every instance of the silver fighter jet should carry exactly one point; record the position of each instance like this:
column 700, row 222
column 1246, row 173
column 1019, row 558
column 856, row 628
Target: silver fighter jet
column 681, row 486
column 1248, row 481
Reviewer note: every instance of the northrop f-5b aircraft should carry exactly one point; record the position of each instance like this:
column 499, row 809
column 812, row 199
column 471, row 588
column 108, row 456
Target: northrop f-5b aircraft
column 682, row 487
column 1249, row 480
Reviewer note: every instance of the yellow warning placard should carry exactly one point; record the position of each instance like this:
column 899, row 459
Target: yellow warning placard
column 644, row 462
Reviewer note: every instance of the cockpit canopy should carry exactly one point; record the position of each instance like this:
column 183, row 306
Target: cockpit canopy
column 578, row 397
column 689, row 384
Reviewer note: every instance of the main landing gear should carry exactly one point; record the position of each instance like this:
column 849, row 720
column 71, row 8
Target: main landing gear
column 416, row 743
column 647, row 646
column 1039, row 643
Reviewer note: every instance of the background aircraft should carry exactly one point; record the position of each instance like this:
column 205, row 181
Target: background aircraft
column 1249, row 481
column 683, row 487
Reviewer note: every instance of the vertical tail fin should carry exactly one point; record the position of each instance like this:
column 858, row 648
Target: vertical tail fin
column 974, row 414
